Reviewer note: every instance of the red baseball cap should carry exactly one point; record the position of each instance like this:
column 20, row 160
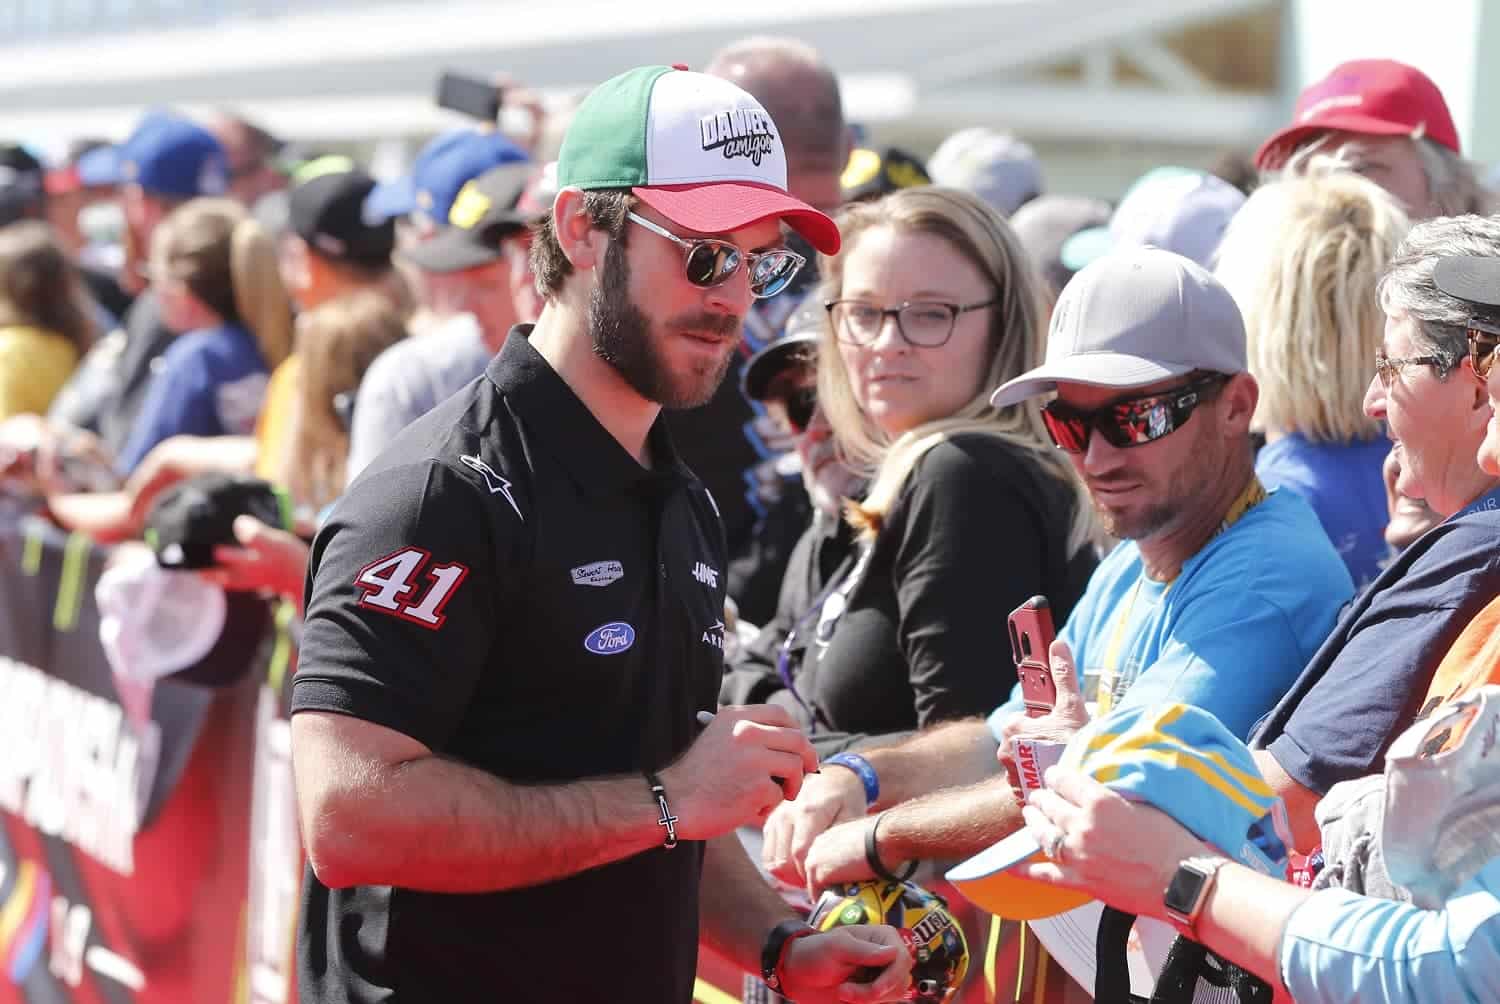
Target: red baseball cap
column 1373, row 97
column 697, row 149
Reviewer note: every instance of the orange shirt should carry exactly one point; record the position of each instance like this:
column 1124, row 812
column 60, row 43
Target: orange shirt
column 1471, row 662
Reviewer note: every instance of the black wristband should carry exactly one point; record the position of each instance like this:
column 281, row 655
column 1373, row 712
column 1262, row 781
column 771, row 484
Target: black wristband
column 667, row 819
column 770, row 952
column 872, row 856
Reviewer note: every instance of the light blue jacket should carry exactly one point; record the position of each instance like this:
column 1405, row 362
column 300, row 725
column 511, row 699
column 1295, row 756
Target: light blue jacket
column 1340, row 946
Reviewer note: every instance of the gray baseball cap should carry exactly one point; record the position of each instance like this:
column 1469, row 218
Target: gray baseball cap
column 1176, row 208
column 1132, row 318
column 1046, row 222
column 995, row 166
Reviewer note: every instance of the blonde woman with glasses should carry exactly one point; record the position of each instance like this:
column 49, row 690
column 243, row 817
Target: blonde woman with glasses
column 1301, row 260
column 930, row 305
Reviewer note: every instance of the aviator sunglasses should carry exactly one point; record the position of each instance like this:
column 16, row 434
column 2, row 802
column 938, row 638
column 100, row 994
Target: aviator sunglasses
column 709, row 261
column 1132, row 422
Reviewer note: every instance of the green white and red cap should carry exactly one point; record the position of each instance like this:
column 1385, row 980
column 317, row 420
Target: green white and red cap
column 697, row 149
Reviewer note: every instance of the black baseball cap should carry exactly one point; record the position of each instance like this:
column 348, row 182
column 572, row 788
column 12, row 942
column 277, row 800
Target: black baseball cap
column 871, row 174
column 1472, row 278
column 188, row 520
column 23, row 180
column 797, row 346
column 483, row 214
column 327, row 212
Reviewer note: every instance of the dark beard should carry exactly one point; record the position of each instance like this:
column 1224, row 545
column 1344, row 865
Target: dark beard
column 623, row 337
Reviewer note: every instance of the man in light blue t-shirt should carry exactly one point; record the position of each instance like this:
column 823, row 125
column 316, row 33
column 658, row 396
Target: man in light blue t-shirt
column 1218, row 596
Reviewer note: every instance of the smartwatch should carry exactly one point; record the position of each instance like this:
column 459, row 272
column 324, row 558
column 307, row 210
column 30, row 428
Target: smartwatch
column 1189, row 889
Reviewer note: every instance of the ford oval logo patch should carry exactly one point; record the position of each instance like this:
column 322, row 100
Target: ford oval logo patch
column 610, row 639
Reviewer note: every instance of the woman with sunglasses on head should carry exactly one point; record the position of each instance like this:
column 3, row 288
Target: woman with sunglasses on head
column 1301, row 259
column 931, row 304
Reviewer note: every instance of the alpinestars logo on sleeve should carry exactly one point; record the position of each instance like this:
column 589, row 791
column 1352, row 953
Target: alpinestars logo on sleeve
column 497, row 485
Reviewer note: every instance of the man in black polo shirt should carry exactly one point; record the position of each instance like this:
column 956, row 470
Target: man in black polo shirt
column 516, row 615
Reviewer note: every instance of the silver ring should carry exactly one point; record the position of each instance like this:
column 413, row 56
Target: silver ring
column 1052, row 846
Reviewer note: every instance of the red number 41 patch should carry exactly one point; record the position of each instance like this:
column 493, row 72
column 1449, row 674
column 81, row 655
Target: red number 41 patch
column 389, row 585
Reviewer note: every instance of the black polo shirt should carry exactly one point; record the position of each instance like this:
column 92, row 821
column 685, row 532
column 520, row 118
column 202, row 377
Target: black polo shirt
column 508, row 586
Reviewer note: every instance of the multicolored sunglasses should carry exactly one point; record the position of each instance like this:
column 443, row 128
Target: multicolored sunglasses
column 1135, row 421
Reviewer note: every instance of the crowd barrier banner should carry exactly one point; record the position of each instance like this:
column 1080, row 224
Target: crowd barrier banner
column 276, row 858
column 123, row 850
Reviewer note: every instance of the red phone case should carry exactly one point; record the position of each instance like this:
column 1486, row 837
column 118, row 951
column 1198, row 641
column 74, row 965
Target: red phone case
column 1031, row 635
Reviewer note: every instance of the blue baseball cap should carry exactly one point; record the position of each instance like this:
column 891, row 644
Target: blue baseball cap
column 165, row 155
column 441, row 170
column 1176, row 757
column 99, row 167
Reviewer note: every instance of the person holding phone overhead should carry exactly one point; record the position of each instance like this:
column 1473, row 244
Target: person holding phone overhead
column 970, row 511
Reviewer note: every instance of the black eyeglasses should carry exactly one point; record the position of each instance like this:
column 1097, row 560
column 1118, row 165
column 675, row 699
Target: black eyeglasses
column 709, row 261
column 1388, row 368
column 924, row 323
column 1483, row 339
column 1132, row 422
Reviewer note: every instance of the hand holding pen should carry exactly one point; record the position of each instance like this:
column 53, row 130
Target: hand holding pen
column 745, row 763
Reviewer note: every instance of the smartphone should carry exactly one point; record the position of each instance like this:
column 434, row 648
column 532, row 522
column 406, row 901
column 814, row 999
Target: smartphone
column 472, row 96
column 1030, row 640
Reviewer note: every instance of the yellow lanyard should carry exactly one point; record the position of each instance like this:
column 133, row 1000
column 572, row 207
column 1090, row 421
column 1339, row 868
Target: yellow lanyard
column 1109, row 673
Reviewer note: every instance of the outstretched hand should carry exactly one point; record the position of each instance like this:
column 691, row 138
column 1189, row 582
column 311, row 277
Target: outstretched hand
column 838, row 855
column 747, row 761
column 835, row 796
column 1122, row 852
column 267, row 558
column 822, row 968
